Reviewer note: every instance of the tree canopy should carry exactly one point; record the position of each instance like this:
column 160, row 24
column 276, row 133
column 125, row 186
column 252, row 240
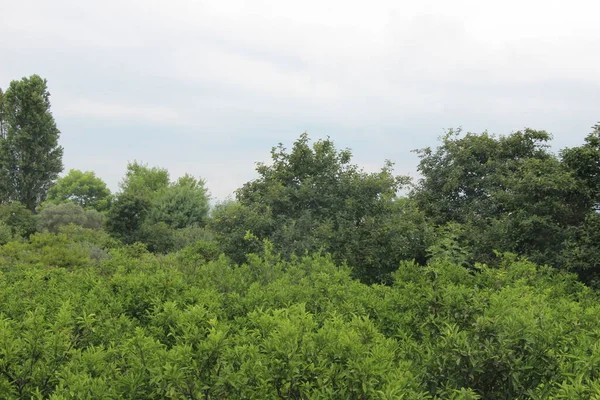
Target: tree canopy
column 511, row 192
column 312, row 197
column 182, row 204
column 82, row 188
column 152, row 210
column 30, row 157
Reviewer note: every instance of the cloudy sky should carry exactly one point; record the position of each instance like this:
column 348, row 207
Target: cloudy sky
column 207, row 87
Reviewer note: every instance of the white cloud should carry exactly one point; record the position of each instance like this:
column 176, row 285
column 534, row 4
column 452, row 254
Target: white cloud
column 89, row 108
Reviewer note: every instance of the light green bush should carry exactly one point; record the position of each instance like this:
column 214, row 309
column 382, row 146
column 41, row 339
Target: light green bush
column 192, row 325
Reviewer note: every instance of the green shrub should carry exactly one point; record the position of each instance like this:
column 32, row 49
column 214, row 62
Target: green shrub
column 20, row 220
column 54, row 216
column 134, row 324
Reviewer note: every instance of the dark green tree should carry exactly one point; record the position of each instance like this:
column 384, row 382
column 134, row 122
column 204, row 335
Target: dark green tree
column 584, row 161
column 463, row 176
column 312, row 197
column 581, row 253
column 129, row 211
column 152, row 210
column 231, row 221
column 21, row 220
column 30, row 157
column 2, row 133
column 510, row 192
column 126, row 216
column 82, row 188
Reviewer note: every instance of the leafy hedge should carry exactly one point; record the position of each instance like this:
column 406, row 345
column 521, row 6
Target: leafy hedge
column 192, row 326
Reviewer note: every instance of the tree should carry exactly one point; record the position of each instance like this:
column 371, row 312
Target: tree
column 143, row 181
column 463, row 176
column 182, row 204
column 152, row 210
column 581, row 253
column 319, row 179
column 130, row 208
column 30, row 157
column 313, row 197
column 584, row 162
column 231, row 221
column 126, row 216
column 510, row 192
column 2, row 133
column 175, row 215
column 81, row 188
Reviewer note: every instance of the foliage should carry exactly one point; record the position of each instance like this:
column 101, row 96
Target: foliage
column 182, row 204
column 130, row 208
column 30, row 157
column 312, row 197
column 54, row 216
column 5, row 233
column 143, row 181
column 47, row 250
column 584, row 161
column 191, row 325
column 231, row 221
column 21, row 221
column 260, row 299
column 126, row 216
column 581, row 253
column 509, row 192
column 2, row 126
column 151, row 210
column 82, row 188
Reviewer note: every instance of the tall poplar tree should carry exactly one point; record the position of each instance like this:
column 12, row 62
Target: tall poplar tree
column 30, row 157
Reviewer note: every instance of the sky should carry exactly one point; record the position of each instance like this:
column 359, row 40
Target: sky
column 208, row 87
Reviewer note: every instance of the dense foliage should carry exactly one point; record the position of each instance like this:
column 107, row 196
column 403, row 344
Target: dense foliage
column 511, row 193
column 30, row 157
column 313, row 198
column 82, row 188
column 317, row 281
column 162, row 214
column 54, row 216
column 192, row 325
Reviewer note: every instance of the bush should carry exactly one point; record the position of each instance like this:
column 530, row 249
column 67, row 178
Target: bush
column 20, row 220
column 54, row 216
column 192, row 325
column 5, row 233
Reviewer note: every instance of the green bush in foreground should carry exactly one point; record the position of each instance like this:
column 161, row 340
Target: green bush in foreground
column 136, row 325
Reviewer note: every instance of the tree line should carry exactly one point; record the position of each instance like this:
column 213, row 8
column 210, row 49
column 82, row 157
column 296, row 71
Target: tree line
column 479, row 194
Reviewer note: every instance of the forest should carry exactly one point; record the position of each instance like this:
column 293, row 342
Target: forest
column 318, row 280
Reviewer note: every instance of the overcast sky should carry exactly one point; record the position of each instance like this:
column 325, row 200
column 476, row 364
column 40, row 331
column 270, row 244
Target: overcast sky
column 207, row 87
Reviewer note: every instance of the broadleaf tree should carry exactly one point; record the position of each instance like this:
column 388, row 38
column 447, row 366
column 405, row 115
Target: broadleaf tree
column 313, row 197
column 152, row 210
column 584, row 162
column 82, row 188
column 182, row 204
column 511, row 193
